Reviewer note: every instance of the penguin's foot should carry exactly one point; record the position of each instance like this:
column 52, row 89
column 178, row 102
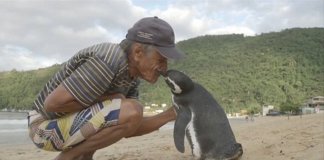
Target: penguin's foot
column 237, row 152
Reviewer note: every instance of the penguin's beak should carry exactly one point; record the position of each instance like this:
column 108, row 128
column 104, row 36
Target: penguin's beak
column 163, row 73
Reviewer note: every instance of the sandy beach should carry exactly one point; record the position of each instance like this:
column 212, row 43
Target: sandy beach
column 266, row 138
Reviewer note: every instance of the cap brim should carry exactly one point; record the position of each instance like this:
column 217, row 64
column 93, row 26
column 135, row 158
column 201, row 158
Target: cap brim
column 170, row 52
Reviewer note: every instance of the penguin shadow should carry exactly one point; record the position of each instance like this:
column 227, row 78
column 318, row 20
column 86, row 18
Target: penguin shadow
column 201, row 120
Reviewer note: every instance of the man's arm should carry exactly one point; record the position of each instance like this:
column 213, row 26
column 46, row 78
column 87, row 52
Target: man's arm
column 61, row 100
column 84, row 87
column 150, row 124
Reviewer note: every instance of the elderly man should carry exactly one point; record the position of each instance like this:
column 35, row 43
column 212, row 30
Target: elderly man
column 92, row 103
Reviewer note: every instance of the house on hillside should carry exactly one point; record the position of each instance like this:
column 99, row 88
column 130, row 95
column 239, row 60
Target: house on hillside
column 266, row 109
column 316, row 102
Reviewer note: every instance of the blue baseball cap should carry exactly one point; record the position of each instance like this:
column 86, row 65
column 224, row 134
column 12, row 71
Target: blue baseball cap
column 157, row 32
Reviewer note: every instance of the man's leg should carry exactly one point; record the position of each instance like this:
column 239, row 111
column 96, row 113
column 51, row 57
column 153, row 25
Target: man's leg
column 131, row 124
column 147, row 125
column 130, row 118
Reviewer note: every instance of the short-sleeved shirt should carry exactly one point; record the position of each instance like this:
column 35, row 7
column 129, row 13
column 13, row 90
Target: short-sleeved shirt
column 92, row 72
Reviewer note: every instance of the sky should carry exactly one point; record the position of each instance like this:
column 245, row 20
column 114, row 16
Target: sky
column 39, row 33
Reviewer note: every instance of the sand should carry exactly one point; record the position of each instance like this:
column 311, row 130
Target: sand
column 267, row 138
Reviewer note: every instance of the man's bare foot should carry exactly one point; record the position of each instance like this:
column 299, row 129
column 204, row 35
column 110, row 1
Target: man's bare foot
column 87, row 156
column 65, row 155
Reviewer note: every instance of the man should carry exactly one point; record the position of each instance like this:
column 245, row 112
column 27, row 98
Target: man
column 91, row 102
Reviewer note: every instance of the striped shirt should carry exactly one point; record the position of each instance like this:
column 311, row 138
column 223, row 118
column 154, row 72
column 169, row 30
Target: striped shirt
column 92, row 72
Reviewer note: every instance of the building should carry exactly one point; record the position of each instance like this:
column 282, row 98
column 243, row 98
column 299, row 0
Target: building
column 316, row 102
column 266, row 109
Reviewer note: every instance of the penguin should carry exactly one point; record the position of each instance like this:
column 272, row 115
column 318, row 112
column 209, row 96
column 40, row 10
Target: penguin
column 201, row 120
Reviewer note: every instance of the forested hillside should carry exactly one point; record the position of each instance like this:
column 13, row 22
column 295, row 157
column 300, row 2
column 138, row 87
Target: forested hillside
column 247, row 72
column 241, row 72
column 18, row 89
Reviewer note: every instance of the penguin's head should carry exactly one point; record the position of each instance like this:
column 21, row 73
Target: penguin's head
column 178, row 82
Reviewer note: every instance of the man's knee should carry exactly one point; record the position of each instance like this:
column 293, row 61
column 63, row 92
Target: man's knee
column 131, row 111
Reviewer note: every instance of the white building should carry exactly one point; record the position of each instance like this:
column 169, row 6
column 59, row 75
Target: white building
column 265, row 109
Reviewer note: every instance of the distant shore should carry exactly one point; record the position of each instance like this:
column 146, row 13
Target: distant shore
column 266, row 138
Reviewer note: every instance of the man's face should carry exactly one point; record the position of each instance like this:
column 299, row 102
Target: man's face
column 151, row 64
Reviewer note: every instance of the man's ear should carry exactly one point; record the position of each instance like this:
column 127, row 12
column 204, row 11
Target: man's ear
column 137, row 50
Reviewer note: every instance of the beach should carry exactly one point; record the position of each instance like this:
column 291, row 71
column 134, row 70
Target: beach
column 266, row 138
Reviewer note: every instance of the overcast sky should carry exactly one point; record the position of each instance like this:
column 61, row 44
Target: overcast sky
column 39, row 33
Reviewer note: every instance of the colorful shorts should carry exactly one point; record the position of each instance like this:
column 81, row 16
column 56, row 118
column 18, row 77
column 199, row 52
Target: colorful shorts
column 72, row 129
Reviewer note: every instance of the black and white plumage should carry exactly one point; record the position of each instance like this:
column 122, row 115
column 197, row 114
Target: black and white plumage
column 201, row 119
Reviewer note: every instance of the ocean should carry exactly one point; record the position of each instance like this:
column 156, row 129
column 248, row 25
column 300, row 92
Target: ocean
column 13, row 128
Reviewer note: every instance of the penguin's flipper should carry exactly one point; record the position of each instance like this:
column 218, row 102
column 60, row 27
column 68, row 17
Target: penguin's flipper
column 180, row 125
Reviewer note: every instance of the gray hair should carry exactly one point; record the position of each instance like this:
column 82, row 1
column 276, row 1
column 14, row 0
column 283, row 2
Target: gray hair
column 127, row 44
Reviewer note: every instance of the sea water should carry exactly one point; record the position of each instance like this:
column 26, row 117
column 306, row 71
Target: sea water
column 13, row 128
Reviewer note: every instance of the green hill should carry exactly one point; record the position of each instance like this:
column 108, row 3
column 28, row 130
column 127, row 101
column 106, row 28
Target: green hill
column 18, row 89
column 247, row 72
column 241, row 72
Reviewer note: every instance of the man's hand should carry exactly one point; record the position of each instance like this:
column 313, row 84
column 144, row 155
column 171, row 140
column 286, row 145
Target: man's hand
column 171, row 112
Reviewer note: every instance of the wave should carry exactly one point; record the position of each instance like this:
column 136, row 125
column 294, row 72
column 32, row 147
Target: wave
column 12, row 130
column 14, row 121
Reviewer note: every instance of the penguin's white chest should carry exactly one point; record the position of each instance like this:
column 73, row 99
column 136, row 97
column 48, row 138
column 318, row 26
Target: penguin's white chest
column 175, row 104
column 191, row 129
column 193, row 136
